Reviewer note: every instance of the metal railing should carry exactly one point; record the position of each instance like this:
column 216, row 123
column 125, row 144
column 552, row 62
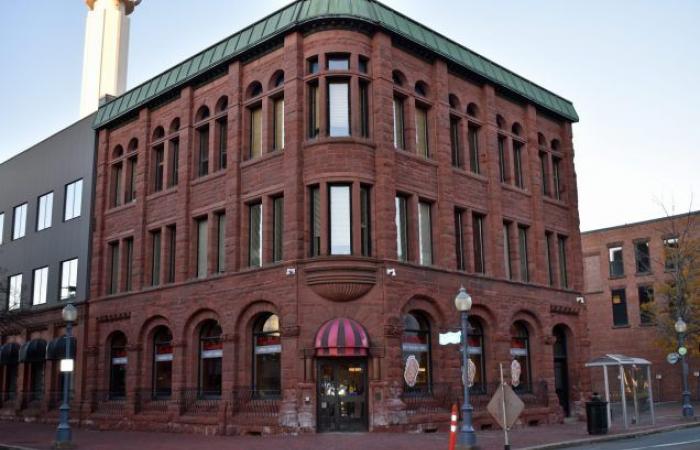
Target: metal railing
column 8, row 399
column 429, row 399
column 31, row 399
column 148, row 400
column 256, row 403
column 195, row 401
column 108, row 402
column 55, row 399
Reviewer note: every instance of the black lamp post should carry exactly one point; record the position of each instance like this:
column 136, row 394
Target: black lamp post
column 63, row 432
column 681, row 327
column 467, row 438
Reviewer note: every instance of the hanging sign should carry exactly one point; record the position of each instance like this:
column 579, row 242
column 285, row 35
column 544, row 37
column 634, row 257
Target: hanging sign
column 471, row 373
column 450, row 337
column 682, row 351
column 515, row 371
column 673, row 357
column 410, row 373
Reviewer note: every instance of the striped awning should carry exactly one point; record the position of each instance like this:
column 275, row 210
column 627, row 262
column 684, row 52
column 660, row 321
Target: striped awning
column 341, row 337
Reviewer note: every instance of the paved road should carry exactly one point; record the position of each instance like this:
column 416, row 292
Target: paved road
column 686, row 439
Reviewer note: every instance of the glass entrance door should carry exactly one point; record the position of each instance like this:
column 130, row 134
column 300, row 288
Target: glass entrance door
column 342, row 395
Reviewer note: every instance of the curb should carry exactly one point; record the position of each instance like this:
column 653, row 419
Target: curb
column 14, row 447
column 613, row 437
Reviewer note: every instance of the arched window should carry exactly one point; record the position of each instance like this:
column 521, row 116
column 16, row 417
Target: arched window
column 162, row 363
column 517, row 129
column 210, row 359
column 555, row 145
column 454, row 101
column 416, row 343
column 398, row 77
column 267, row 351
column 520, row 351
column 277, row 79
column 175, row 125
column 473, row 110
column 476, row 353
column 500, row 121
column 541, row 140
column 421, row 88
column 118, row 363
column 202, row 113
column 133, row 145
column 254, row 89
column 222, row 104
column 158, row 133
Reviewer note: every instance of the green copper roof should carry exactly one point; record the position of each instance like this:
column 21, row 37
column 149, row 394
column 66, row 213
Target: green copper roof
column 303, row 11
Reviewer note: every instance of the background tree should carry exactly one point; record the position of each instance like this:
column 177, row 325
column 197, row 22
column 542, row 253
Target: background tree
column 11, row 322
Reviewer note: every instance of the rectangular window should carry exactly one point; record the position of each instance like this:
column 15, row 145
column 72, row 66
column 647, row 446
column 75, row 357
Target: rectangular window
column 338, row 108
column 69, row 279
column 364, row 109
column 114, row 268
column 314, row 110
column 544, row 171
column 74, row 198
column 617, row 268
column 221, row 243
column 19, row 226
column 155, row 257
column 399, row 134
column 524, row 260
column 255, row 235
column 315, row 220
column 130, row 194
column 507, row 251
column 425, row 234
column 255, row 138
column 41, row 278
column 45, row 212
column 174, row 162
column 473, row 137
column 455, row 142
column 401, row 203
column 338, row 63
column 172, row 245
column 340, row 217
column 222, row 136
column 2, row 226
column 365, row 221
column 478, row 242
column 129, row 264
column 158, row 167
column 502, row 159
column 277, row 229
column 646, row 299
column 641, row 256
column 459, row 239
column 671, row 253
column 14, row 293
column 363, row 64
column 518, row 164
column 619, row 308
column 548, row 257
column 557, row 178
column 422, row 132
column 116, row 185
column 202, row 247
column 203, row 153
column 313, row 66
column 563, row 272
column 278, row 125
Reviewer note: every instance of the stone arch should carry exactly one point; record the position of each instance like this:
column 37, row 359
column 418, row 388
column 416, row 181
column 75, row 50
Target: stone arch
column 117, row 152
column 473, row 110
column 221, row 104
column 149, row 325
column 454, row 102
column 253, row 90
column 398, row 77
column 158, row 133
column 174, row 125
column 202, row 113
column 421, row 88
column 428, row 306
column 277, row 79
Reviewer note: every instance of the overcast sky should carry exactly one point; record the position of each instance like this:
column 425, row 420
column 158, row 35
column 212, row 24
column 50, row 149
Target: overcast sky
column 631, row 67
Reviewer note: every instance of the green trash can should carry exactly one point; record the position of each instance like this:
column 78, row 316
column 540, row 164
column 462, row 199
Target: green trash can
column 597, row 415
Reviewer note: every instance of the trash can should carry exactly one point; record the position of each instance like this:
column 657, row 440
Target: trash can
column 597, row 415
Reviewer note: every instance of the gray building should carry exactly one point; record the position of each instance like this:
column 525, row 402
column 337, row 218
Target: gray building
column 45, row 210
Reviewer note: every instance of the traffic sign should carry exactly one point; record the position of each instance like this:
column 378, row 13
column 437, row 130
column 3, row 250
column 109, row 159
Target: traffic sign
column 505, row 398
column 673, row 357
column 682, row 351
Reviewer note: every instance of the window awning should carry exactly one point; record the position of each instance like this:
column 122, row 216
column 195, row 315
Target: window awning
column 341, row 337
column 9, row 353
column 56, row 349
column 33, row 351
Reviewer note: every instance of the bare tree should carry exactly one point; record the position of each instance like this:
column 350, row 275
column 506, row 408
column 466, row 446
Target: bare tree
column 11, row 321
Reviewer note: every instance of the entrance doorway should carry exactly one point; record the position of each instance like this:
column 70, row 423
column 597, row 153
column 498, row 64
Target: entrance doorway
column 561, row 368
column 342, row 395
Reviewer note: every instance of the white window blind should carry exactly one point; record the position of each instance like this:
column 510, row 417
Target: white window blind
column 340, row 220
column 338, row 109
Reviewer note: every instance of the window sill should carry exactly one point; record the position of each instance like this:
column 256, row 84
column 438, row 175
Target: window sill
column 469, row 174
column 205, row 178
column 416, row 157
column 554, row 201
column 116, row 209
column 261, row 159
column 512, row 188
column 617, row 327
column 162, row 193
column 616, row 277
column 643, row 274
column 321, row 140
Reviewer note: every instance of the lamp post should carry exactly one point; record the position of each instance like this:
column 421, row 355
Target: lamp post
column 63, row 432
column 466, row 438
column 681, row 328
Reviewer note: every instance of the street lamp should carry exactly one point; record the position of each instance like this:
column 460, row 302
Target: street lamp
column 466, row 438
column 63, row 432
column 681, row 328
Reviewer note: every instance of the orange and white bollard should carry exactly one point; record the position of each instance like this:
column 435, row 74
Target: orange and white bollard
column 453, row 427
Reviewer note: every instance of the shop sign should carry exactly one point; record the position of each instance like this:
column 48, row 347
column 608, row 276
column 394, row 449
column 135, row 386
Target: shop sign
column 515, row 371
column 120, row 361
column 471, row 372
column 673, row 357
column 414, row 348
column 268, row 349
column 410, row 373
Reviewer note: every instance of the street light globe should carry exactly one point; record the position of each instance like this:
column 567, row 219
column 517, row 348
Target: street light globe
column 680, row 325
column 69, row 313
column 463, row 301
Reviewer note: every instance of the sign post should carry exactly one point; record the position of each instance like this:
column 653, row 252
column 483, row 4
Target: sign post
column 505, row 407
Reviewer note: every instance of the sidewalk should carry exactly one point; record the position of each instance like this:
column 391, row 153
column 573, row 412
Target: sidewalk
column 40, row 436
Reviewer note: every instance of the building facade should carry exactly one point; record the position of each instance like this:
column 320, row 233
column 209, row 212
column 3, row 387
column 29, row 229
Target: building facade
column 623, row 267
column 282, row 222
column 45, row 210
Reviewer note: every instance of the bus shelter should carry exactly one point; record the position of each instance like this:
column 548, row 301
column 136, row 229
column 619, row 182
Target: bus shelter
column 632, row 390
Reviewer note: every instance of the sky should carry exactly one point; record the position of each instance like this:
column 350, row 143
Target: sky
column 631, row 68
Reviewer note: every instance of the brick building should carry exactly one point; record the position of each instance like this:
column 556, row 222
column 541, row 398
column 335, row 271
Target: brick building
column 623, row 266
column 284, row 219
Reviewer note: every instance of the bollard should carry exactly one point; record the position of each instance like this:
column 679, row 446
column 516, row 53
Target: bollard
column 453, row 427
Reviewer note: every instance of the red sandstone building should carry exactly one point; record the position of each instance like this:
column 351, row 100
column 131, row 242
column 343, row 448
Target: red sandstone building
column 282, row 220
column 623, row 267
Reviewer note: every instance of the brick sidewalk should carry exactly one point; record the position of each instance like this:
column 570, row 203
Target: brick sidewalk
column 39, row 436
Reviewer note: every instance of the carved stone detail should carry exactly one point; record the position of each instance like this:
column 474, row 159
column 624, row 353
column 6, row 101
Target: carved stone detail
column 341, row 280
